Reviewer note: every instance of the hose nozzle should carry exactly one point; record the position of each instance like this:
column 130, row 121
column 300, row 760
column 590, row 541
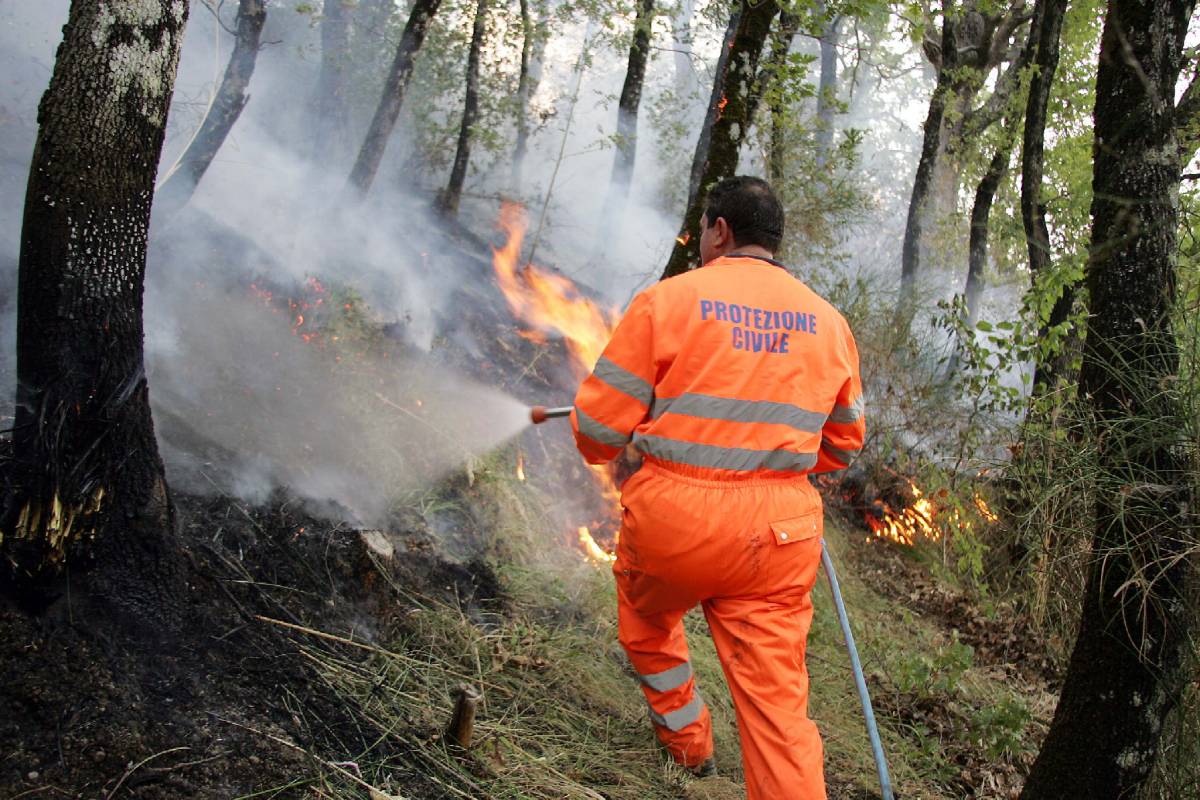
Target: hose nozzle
column 539, row 414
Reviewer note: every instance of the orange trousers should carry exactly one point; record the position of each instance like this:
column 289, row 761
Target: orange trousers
column 747, row 551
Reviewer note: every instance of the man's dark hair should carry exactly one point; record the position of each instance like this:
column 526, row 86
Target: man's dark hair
column 751, row 210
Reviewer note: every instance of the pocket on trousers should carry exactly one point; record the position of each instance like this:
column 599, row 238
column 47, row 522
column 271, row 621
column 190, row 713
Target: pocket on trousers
column 801, row 528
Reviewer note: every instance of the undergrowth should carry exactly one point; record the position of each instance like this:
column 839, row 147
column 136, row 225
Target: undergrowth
column 562, row 716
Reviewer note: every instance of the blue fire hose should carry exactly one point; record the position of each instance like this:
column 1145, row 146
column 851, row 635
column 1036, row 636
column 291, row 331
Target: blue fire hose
column 885, row 781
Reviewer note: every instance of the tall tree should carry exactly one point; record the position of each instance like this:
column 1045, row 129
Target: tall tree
column 1126, row 669
column 462, row 154
column 87, row 482
column 627, row 109
column 981, row 210
column 773, row 70
column 227, row 105
column 827, row 83
column 533, row 43
column 370, row 155
column 971, row 45
column 330, row 109
column 1044, row 35
column 735, row 95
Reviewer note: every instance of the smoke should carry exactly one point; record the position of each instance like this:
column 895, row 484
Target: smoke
column 242, row 401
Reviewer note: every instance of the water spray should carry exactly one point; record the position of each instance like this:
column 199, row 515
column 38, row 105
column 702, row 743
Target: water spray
column 539, row 414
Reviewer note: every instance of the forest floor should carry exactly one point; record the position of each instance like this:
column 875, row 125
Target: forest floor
column 320, row 660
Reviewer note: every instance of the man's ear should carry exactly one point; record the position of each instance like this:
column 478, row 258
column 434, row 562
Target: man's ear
column 724, row 234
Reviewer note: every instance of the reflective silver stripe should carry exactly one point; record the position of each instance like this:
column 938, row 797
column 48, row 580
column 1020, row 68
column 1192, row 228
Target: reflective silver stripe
column 680, row 718
column 708, row 455
column 668, row 679
column 844, row 456
column 599, row 432
column 731, row 409
column 851, row 413
column 623, row 380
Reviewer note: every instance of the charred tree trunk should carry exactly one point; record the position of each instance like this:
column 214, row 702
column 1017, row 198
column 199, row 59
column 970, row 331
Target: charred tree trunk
column 329, row 105
column 1139, row 611
column 1044, row 40
column 627, row 110
column 462, row 155
column 910, row 253
column 371, row 153
column 827, row 88
column 730, row 112
column 87, row 483
column 227, row 106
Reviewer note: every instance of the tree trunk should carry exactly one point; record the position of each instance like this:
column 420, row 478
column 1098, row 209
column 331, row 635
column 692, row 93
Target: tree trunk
column 827, row 88
column 981, row 210
column 781, row 46
column 730, row 112
column 87, row 483
column 1125, row 671
column 227, row 106
column 681, row 33
column 329, row 106
column 523, row 94
column 627, row 110
column 462, row 154
column 910, row 253
column 371, row 153
column 1044, row 36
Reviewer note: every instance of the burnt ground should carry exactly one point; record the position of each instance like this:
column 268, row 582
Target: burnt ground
column 100, row 711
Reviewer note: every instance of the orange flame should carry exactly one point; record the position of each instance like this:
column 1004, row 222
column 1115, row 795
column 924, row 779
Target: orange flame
column 721, row 106
column 922, row 519
column 684, row 238
column 549, row 302
column 594, row 551
column 520, row 466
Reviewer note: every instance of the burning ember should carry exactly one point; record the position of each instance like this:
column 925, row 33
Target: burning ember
column 552, row 304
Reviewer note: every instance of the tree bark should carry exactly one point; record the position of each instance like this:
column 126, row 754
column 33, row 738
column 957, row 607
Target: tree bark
column 730, row 112
column 87, row 484
column 462, row 154
column 371, row 153
column 329, row 104
column 1044, row 35
column 1125, row 671
column 227, row 106
column 627, row 109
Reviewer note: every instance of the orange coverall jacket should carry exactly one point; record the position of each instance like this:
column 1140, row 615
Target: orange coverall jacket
column 734, row 381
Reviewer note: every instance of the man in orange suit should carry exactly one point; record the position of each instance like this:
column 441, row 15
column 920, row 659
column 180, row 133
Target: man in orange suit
column 733, row 381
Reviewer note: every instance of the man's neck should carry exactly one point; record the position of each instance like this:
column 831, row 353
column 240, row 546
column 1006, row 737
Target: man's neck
column 758, row 251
